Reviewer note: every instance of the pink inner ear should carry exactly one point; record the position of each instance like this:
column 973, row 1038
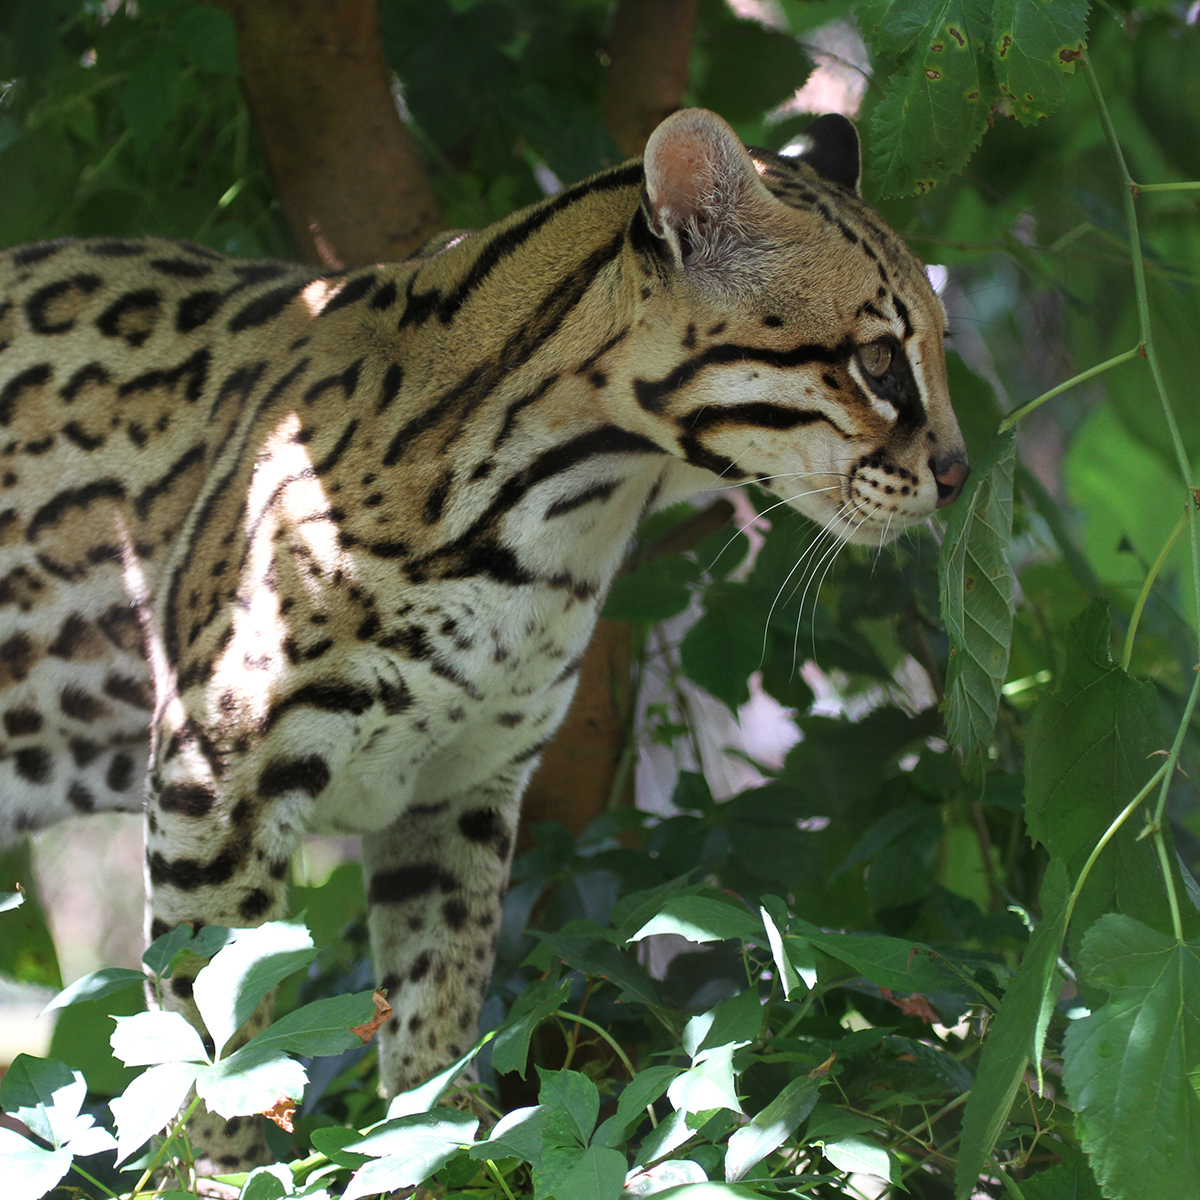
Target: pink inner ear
column 680, row 169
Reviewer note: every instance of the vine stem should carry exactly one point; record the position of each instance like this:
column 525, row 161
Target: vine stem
column 1025, row 409
column 94, row 1182
column 1192, row 185
column 499, row 1178
column 1108, row 835
column 616, row 1049
column 570, row 1016
column 1129, row 190
column 162, row 1150
column 1144, row 594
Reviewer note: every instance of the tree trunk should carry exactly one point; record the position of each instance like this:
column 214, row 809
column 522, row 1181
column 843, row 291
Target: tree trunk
column 351, row 183
column 648, row 48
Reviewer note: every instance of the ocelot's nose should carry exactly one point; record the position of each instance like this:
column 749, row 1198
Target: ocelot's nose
column 950, row 473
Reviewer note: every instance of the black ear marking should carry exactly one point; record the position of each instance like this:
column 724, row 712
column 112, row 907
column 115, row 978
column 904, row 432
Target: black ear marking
column 833, row 150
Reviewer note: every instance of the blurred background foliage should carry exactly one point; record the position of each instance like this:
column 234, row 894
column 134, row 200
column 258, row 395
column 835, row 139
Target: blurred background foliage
column 119, row 118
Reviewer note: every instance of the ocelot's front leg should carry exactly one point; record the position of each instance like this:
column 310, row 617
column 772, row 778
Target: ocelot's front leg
column 435, row 883
column 217, row 854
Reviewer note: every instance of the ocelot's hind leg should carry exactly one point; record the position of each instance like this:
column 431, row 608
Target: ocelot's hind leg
column 435, row 883
column 208, row 863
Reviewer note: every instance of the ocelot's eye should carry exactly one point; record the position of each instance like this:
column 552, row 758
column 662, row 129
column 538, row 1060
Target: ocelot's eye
column 876, row 358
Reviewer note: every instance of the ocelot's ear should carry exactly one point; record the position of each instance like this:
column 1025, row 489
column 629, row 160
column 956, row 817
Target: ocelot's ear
column 832, row 150
column 703, row 194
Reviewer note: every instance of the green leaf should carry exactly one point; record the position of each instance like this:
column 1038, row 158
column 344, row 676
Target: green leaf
column 229, row 989
column 268, row 1183
column 250, row 1080
column 165, row 949
column 641, row 1091
column 336, row 1143
column 708, row 1191
column 26, row 947
column 81, row 1040
column 510, row 1050
column 1131, row 1067
column 750, row 69
column 151, row 94
column 96, row 986
column 896, row 963
column 319, row 1028
column 518, row 1134
column 659, row 590
column 842, row 760
column 977, row 603
column 1070, row 1180
column 935, row 105
column 723, row 649
column 667, row 1136
column 708, row 1084
column 333, row 904
column 409, row 1150
column 770, row 1128
column 735, row 1021
column 425, row 1095
column 573, row 1094
column 1016, row 1035
column 785, row 970
column 1089, row 749
column 45, row 1094
column 207, row 37
column 1035, row 44
column 599, row 1174
column 857, row 1153
column 702, row 919
column 149, row 1102
column 149, row 1038
column 29, row 1172
column 597, row 956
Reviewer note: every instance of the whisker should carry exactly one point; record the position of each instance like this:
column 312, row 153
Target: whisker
column 882, row 542
column 778, row 504
column 808, row 550
column 828, row 558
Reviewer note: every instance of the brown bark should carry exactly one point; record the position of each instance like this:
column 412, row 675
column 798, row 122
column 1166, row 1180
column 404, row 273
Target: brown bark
column 648, row 49
column 574, row 785
column 347, row 172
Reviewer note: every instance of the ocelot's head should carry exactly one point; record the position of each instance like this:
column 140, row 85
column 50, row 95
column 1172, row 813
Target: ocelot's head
column 813, row 342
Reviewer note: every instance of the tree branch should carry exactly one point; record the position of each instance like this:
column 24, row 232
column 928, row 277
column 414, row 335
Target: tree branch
column 347, row 172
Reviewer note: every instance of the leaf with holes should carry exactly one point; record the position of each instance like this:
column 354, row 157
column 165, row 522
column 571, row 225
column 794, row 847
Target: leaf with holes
column 977, row 603
column 935, row 105
column 1035, row 45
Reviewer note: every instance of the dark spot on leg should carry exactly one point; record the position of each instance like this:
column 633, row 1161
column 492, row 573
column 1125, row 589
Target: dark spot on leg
column 255, row 904
column 455, row 912
column 32, row 764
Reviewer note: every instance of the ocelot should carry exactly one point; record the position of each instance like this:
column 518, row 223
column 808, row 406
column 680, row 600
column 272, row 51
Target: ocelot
column 283, row 551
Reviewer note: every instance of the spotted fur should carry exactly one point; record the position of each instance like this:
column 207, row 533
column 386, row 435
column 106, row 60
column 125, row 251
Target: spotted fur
column 283, row 551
